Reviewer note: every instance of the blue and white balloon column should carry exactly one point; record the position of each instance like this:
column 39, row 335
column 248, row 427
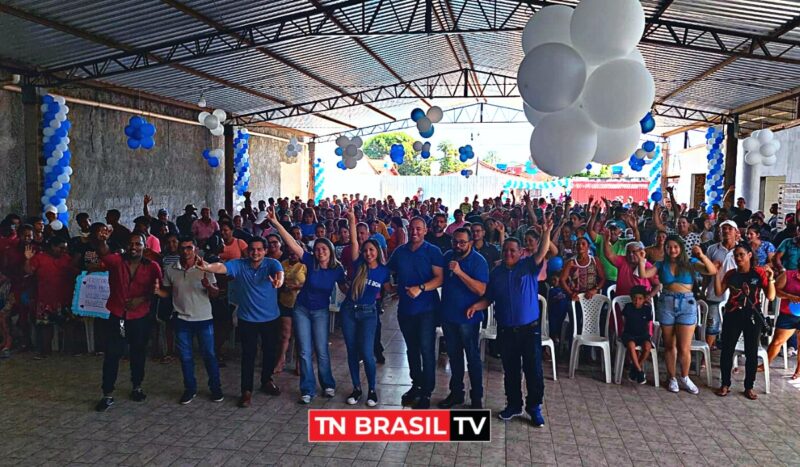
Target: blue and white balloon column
column 241, row 161
column 57, row 170
column 655, row 176
column 716, row 167
column 319, row 181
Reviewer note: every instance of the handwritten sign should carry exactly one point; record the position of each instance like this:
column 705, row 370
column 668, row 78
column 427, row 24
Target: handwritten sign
column 91, row 294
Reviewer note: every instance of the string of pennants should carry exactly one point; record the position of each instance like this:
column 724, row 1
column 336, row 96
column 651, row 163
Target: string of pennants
column 520, row 185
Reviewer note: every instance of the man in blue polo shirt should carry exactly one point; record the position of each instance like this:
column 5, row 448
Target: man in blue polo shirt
column 258, row 279
column 514, row 289
column 464, row 284
column 419, row 267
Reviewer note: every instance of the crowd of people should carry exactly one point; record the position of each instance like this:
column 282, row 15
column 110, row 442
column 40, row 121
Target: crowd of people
column 270, row 271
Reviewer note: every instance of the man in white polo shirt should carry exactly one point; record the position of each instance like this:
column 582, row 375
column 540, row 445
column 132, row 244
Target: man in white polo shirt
column 191, row 288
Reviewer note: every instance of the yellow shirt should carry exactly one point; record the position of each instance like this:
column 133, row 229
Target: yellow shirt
column 295, row 275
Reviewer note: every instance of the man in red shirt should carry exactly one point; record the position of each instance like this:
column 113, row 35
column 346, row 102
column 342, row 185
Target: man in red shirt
column 132, row 279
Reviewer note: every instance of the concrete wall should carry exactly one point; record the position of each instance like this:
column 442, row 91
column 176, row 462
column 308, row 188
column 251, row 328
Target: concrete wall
column 685, row 163
column 107, row 174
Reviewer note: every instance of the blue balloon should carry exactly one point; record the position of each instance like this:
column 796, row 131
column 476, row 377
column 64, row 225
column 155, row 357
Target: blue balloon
column 425, row 154
column 66, row 125
column 649, row 146
column 136, row 121
column 55, row 200
column 417, row 113
column 61, row 132
column 656, row 196
column 588, row 166
column 63, row 162
column 463, row 158
column 555, row 264
column 63, row 217
column 148, row 129
column 148, row 142
column 463, row 171
column 66, row 187
column 339, row 152
column 62, row 193
column 461, row 150
column 468, row 148
column 206, row 154
column 57, row 170
column 47, row 99
column 130, row 131
column 134, row 143
column 340, row 165
column 427, row 134
column 502, row 166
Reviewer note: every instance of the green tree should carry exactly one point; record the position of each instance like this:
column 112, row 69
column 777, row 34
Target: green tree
column 490, row 157
column 378, row 146
column 414, row 165
column 449, row 162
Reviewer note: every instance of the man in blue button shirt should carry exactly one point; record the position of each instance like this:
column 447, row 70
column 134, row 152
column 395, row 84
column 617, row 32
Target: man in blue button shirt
column 419, row 267
column 258, row 279
column 514, row 289
column 464, row 284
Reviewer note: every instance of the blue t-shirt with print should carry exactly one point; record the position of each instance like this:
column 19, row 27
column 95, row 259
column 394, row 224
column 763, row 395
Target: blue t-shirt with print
column 376, row 277
column 316, row 292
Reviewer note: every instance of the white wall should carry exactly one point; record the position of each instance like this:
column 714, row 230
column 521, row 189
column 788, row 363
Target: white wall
column 685, row 163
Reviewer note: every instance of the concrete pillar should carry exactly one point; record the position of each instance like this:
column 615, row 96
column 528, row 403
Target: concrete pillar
column 312, row 159
column 731, row 153
column 229, row 169
column 31, row 116
column 751, row 185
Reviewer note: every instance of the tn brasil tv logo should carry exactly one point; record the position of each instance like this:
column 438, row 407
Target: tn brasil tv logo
column 398, row 425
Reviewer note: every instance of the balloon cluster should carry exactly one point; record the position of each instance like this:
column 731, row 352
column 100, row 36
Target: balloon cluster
column 465, row 153
column 397, row 153
column 213, row 156
column 140, row 133
column 761, row 147
column 655, row 175
column 425, row 121
column 57, row 170
column 584, row 83
column 349, row 150
column 648, row 123
column 715, row 175
column 466, row 172
column 637, row 160
column 213, row 121
column 293, row 148
column 241, row 161
column 424, row 149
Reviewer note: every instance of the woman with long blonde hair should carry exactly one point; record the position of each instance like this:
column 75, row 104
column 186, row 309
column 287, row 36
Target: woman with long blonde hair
column 360, row 312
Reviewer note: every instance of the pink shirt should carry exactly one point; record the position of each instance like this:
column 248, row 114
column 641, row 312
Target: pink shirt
column 203, row 231
column 627, row 277
column 153, row 244
column 452, row 227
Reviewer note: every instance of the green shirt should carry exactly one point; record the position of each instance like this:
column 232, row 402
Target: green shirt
column 617, row 247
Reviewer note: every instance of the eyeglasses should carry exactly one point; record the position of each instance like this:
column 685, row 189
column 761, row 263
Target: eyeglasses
column 460, row 242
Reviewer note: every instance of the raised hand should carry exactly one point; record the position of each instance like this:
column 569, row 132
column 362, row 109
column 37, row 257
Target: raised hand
column 275, row 281
column 147, row 199
column 29, row 253
column 697, row 252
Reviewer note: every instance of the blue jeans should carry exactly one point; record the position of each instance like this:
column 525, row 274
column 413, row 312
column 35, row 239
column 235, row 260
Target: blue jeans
column 184, row 334
column 419, row 332
column 311, row 332
column 359, row 338
column 461, row 339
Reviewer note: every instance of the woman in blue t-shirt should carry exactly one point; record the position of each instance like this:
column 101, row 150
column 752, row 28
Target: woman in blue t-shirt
column 311, row 314
column 360, row 311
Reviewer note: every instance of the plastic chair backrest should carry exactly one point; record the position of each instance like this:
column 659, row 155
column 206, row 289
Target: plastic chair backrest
column 592, row 311
column 611, row 292
column 620, row 301
column 543, row 317
column 702, row 316
column 490, row 322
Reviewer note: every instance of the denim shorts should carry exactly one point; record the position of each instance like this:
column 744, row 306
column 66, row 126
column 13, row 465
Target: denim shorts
column 785, row 321
column 677, row 308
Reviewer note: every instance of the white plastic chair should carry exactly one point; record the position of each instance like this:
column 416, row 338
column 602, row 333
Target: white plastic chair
column 337, row 297
column 488, row 331
column 699, row 344
column 785, row 346
column 547, row 341
column 612, row 289
column 590, row 335
column 622, row 349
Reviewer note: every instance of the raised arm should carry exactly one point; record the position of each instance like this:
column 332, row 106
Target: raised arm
column 657, row 217
column 145, row 210
column 676, row 210
column 216, row 268
column 593, row 220
column 351, row 219
column 630, row 221
column 544, row 243
column 610, row 255
column 288, row 240
column 705, row 267
column 644, row 271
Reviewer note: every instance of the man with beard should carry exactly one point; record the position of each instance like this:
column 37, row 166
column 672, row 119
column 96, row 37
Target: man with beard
column 464, row 284
column 436, row 236
column 419, row 267
column 131, row 279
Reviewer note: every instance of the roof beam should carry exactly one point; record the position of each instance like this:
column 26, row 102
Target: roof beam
column 148, row 57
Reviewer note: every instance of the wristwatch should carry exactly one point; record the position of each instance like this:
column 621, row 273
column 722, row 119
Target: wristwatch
column 422, row 287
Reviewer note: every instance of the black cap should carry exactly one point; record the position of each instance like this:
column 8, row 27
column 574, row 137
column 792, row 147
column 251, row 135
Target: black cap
column 190, row 207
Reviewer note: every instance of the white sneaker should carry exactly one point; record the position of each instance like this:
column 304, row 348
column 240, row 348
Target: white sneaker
column 687, row 384
column 673, row 385
column 330, row 392
column 792, row 352
column 305, row 399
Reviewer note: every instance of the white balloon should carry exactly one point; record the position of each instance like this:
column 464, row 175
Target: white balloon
column 424, row 124
column 551, row 77
column 769, row 149
column 426, row 146
column 52, row 162
column 219, row 152
column 417, row 146
column 292, row 140
column 435, row 114
column 765, row 136
column 56, row 185
column 63, row 178
column 357, row 141
column 54, row 123
column 202, row 117
column 350, row 162
column 619, row 93
column 614, row 146
column 359, row 155
column 564, row 142
column 771, row 160
column 221, row 115
column 57, row 154
column 211, row 122
column 752, row 158
column 755, row 134
column 62, row 147
column 550, row 24
column 713, row 194
column 60, row 100
column 68, row 171
column 45, row 199
column 56, row 224
column 44, row 107
column 777, row 143
column 50, row 192
column 66, row 140
column 636, row 55
column 218, row 131
column 533, row 115
column 602, row 30
column 60, row 116
column 65, row 109
column 48, row 169
column 342, row 141
column 48, row 131
column 751, row 144
column 640, row 153
column 61, row 208
column 351, row 150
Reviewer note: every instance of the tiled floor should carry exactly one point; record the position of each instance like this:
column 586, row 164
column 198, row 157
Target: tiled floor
column 46, row 417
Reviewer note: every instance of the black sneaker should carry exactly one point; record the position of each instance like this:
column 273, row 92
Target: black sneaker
column 510, row 412
column 216, row 396
column 137, row 395
column 187, row 397
column 410, row 396
column 641, row 378
column 476, row 405
column 354, row 397
column 372, row 398
column 633, row 375
column 423, row 403
column 450, row 401
column 105, row 403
